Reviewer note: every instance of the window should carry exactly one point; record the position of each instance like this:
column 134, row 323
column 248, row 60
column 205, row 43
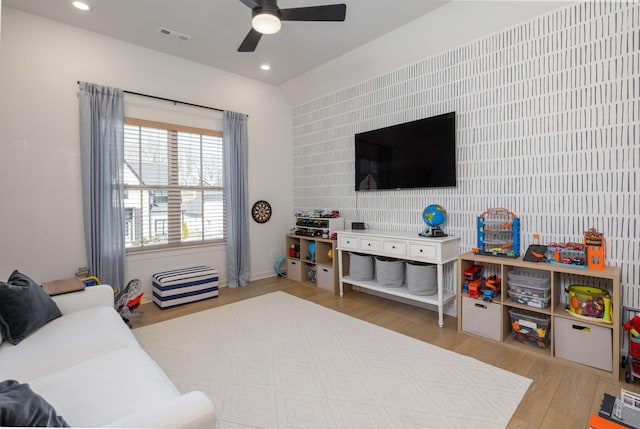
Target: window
column 174, row 185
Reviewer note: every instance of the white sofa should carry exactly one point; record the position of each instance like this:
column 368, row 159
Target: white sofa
column 88, row 365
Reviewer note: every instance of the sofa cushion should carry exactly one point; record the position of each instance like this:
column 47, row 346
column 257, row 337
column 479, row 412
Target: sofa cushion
column 24, row 307
column 106, row 388
column 65, row 342
column 20, row 406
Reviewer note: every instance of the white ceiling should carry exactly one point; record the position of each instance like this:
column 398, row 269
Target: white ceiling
column 217, row 28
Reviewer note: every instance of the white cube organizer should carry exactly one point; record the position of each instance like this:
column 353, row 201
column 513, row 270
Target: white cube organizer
column 178, row 287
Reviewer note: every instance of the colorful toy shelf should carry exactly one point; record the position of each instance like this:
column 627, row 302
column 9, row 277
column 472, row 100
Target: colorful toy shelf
column 552, row 297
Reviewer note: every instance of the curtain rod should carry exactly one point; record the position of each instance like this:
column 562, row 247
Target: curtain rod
column 170, row 100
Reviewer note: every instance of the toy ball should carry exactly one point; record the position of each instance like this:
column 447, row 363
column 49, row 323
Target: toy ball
column 434, row 215
column 574, row 302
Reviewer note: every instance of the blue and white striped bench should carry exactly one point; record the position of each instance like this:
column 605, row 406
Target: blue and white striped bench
column 178, row 287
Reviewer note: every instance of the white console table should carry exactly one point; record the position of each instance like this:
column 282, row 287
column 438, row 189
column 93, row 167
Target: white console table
column 408, row 246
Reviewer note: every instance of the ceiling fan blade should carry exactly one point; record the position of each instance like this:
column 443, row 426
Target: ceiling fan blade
column 331, row 12
column 250, row 42
column 250, row 4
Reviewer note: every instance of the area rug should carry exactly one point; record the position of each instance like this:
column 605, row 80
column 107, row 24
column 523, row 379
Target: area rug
column 278, row 361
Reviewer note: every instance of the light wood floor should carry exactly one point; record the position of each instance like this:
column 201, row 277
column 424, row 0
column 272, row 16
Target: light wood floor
column 561, row 396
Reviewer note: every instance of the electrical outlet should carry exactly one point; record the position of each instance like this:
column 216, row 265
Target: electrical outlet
column 273, row 255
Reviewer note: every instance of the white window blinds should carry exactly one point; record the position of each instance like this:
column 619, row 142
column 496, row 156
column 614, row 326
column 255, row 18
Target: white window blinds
column 174, row 185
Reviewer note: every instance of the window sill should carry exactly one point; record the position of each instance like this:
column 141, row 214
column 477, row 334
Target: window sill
column 152, row 253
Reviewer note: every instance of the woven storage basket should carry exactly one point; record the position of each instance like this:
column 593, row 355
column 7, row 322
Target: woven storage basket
column 389, row 271
column 361, row 266
column 422, row 278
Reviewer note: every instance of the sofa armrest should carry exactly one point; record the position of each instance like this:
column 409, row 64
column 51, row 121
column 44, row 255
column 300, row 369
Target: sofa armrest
column 93, row 296
column 192, row 410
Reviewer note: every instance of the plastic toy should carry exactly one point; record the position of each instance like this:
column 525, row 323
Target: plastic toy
column 498, row 233
column 312, row 251
column 631, row 361
column 569, row 253
column 594, row 242
column 471, row 286
column 294, row 251
column 129, row 301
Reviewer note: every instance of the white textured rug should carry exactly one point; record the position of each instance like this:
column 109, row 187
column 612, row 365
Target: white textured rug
column 277, row 361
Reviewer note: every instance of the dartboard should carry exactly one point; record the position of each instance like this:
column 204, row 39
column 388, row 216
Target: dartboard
column 261, row 211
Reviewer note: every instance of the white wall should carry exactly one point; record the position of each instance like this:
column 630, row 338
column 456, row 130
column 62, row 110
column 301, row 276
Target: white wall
column 41, row 215
column 548, row 121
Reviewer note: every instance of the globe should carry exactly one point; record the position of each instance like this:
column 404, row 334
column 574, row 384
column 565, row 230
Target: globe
column 434, row 215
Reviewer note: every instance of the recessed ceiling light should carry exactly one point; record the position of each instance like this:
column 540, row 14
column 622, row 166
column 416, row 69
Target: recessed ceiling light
column 81, row 5
column 265, row 67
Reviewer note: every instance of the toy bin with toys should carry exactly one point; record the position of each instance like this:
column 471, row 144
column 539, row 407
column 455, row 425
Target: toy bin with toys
column 530, row 287
column 589, row 302
column 529, row 327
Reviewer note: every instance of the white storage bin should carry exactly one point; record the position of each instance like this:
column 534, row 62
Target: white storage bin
column 389, row 271
column 422, row 278
column 361, row 266
column 326, row 278
column 481, row 318
column 294, row 270
column 583, row 343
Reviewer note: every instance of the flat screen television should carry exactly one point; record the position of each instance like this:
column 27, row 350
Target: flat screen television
column 417, row 154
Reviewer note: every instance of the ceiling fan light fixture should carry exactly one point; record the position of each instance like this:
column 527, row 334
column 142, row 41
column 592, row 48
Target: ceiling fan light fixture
column 81, row 5
column 266, row 23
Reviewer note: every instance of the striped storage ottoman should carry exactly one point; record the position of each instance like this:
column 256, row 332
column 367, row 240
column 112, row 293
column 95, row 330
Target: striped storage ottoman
column 178, row 287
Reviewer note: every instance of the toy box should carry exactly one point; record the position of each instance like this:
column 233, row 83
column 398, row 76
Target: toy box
column 529, row 327
column 531, row 301
column 531, row 287
column 589, row 301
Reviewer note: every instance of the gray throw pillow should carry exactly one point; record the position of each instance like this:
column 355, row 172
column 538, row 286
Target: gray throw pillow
column 24, row 308
column 22, row 407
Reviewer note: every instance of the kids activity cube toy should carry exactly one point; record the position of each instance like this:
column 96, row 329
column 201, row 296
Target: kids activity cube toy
column 183, row 286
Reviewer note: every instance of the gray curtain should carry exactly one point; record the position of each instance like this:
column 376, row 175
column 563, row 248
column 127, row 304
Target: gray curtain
column 236, row 149
column 102, row 158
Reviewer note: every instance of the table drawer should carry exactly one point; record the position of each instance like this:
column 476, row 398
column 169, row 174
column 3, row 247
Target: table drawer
column 348, row 242
column 396, row 248
column 583, row 343
column 481, row 318
column 423, row 251
column 370, row 245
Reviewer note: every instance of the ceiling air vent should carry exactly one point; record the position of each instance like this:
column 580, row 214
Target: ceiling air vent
column 173, row 34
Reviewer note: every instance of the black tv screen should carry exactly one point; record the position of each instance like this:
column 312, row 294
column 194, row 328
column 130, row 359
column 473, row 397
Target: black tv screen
column 417, row 154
